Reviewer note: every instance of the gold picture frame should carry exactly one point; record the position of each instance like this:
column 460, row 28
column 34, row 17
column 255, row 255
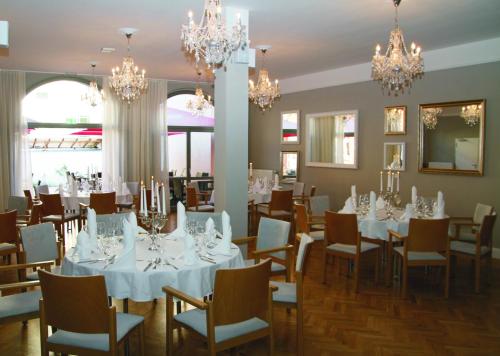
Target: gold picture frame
column 395, row 120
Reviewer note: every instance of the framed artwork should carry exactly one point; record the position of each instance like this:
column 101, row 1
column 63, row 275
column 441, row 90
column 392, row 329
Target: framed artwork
column 395, row 120
column 289, row 165
column 395, row 156
column 290, row 127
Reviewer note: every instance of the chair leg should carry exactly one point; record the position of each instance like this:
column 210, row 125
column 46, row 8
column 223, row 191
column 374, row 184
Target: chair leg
column 478, row 274
column 377, row 262
column 405, row 279
column 271, row 344
column 141, row 339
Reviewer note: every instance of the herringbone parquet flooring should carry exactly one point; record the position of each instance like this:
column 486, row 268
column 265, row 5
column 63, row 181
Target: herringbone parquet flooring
column 338, row 322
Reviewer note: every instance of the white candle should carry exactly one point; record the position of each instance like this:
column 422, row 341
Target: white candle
column 164, row 205
column 388, row 180
column 157, row 190
column 392, row 182
column 381, row 181
column 141, row 209
column 152, row 192
column 251, row 169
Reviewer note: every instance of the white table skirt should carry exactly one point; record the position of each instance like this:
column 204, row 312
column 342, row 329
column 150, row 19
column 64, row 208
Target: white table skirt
column 259, row 198
column 377, row 229
column 72, row 203
column 196, row 280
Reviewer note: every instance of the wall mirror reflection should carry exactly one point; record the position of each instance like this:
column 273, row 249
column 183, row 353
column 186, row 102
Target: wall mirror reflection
column 394, row 156
column 332, row 139
column 395, row 120
column 289, row 165
column 290, row 127
column 451, row 137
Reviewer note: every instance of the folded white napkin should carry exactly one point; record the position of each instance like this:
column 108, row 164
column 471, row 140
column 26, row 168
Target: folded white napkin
column 348, row 207
column 372, row 214
column 414, row 195
column 190, row 257
column 60, row 189
column 439, row 211
column 256, row 188
column 132, row 219
column 83, row 245
column 380, row 203
column 74, row 188
column 210, row 229
column 409, row 213
column 85, row 186
column 224, row 246
column 125, row 190
column 92, row 228
column 126, row 259
column 181, row 221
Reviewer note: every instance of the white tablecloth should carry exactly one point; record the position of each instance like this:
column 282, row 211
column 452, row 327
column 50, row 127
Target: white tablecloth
column 377, row 229
column 259, row 198
column 72, row 202
column 196, row 280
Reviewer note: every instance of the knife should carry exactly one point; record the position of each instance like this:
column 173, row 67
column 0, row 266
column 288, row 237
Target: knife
column 148, row 266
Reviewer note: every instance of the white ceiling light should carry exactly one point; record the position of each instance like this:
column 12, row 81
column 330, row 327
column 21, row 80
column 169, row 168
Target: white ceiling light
column 93, row 96
column 265, row 92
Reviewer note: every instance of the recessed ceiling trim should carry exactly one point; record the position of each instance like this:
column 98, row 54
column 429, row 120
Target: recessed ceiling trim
column 463, row 55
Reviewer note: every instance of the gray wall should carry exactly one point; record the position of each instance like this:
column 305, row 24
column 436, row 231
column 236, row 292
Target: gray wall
column 461, row 192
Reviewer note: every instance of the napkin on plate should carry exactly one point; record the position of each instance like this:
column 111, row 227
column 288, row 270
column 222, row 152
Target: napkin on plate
column 348, row 207
column 190, row 257
column 439, row 211
column 372, row 214
column 224, row 246
column 380, row 203
column 92, row 228
column 409, row 213
column 180, row 231
column 83, row 246
column 414, row 195
column 210, row 229
column 126, row 259
column 132, row 219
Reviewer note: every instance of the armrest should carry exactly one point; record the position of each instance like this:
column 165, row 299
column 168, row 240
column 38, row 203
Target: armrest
column 244, row 240
column 23, row 216
column 273, row 288
column 465, row 224
column 184, row 297
column 274, row 249
column 395, row 234
column 83, row 205
column 26, row 265
column 467, row 218
column 27, row 284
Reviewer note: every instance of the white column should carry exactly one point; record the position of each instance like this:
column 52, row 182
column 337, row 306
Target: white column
column 231, row 134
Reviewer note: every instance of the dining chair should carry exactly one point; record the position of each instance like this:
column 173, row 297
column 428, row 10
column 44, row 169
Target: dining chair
column 317, row 206
column 21, row 306
column 40, row 244
column 466, row 228
column 32, row 218
column 9, row 237
column 27, row 194
column 271, row 242
column 239, row 312
column 43, row 189
column 427, row 244
column 53, row 211
column 203, row 196
column 298, row 191
column 304, row 222
column 280, row 206
column 192, row 202
column 291, row 295
column 18, row 203
column 102, row 203
column 481, row 249
column 87, row 324
column 343, row 240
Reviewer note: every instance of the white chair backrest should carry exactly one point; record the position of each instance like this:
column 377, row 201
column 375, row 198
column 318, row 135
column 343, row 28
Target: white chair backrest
column 133, row 187
column 202, row 217
column 480, row 212
column 319, row 204
column 44, row 189
column 273, row 233
column 39, row 242
column 261, row 173
column 301, row 254
column 298, row 188
column 18, row 203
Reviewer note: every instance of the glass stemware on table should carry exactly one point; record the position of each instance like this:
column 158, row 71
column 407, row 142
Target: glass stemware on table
column 155, row 220
column 425, row 207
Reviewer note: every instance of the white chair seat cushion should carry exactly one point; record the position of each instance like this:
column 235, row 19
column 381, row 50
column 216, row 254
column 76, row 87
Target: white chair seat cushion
column 124, row 323
column 467, row 236
column 56, row 218
column 467, row 247
column 197, row 320
column 33, row 276
column 420, row 256
column 287, row 292
column 317, row 235
column 264, row 208
column 365, row 246
column 318, row 226
column 275, row 267
column 6, row 246
column 18, row 304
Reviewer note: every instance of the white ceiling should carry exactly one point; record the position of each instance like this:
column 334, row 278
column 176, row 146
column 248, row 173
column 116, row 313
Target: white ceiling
column 307, row 36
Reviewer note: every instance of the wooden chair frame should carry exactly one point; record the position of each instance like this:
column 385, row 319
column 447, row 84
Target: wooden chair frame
column 192, row 200
column 12, row 217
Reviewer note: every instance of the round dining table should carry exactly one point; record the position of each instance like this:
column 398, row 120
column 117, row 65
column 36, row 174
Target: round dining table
column 144, row 281
column 72, row 202
column 378, row 228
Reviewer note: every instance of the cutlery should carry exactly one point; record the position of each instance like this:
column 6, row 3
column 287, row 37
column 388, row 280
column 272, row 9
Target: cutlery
column 92, row 261
column 148, row 266
column 207, row 259
column 110, row 261
column 167, row 263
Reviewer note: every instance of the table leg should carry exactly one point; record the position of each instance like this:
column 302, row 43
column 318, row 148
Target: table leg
column 125, row 305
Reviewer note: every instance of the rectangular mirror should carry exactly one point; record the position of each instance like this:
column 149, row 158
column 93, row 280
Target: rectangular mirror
column 332, row 139
column 290, row 127
column 395, row 120
column 289, row 165
column 451, row 137
column 395, row 156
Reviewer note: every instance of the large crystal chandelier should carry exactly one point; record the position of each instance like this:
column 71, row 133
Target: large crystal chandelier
column 264, row 93
column 209, row 39
column 199, row 104
column 471, row 114
column 397, row 68
column 127, row 82
column 93, row 96
column 430, row 117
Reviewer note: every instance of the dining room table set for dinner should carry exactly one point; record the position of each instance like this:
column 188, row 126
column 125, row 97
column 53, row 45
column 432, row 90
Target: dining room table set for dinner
column 260, row 189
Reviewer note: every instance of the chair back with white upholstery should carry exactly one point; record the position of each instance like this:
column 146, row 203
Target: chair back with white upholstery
column 273, row 233
column 428, row 235
column 233, row 286
column 8, row 227
column 319, row 204
column 115, row 218
column 39, row 242
column 301, row 219
column 202, row 217
column 42, row 189
column 341, row 228
column 103, row 203
column 133, row 187
column 486, row 231
column 304, row 248
column 298, row 188
column 480, row 212
column 18, row 203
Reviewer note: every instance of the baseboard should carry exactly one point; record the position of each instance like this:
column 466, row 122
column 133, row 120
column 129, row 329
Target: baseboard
column 496, row 253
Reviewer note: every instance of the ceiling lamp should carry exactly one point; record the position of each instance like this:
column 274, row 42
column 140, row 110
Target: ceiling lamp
column 93, row 96
column 397, row 68
column 199, row 105
column 127, row 82
column 430, row 117
column 209, row 40
column 264, row 93
column 471, row 114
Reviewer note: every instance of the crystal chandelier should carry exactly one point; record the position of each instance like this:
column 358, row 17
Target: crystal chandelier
column 199, row 105
column 127, row 82
column 471, row 114
column 264, row 93
column 209, row 39
column 93, row 96
column 397, row 68
column 430, row 117
column 394, row 115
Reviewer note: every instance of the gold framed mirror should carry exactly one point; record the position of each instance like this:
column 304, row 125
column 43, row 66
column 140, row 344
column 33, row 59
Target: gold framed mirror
column 290, row 162
column 451, row 137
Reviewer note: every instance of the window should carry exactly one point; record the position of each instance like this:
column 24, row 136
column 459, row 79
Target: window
column 64, row 132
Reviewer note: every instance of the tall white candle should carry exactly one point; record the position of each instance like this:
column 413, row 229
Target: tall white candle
column 392, row 182
column 152, row 192
column 163, row 203
column 381, row 181
column 157, row 190
column 389, row 180
column 251, row 169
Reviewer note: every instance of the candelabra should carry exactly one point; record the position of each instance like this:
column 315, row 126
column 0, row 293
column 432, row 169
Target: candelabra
column 155, row 220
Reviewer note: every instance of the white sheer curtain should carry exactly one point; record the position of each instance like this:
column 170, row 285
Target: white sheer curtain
column 14, row 149
column 339, row 139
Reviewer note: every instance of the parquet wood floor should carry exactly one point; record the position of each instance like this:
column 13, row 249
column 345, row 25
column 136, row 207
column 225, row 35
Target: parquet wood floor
column 338, row 322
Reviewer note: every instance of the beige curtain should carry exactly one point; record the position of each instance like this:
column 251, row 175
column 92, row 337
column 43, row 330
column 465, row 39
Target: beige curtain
column 15, row 160
column 322, row 139
column 339, row 139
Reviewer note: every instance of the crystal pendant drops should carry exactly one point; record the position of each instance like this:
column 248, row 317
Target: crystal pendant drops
column 265, row 93
column 471, row 114
column 93, row 96
column 199, row 104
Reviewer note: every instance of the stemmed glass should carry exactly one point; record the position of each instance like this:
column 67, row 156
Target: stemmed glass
column 388, row 208
column 101, row 238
